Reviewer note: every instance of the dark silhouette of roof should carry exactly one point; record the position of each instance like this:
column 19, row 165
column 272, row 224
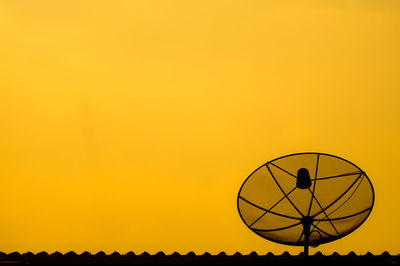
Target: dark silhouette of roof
column 269, row 254
column 115, row 253
column 285, row 254
column 43, row 253
column 335, row 254
column 100, row 253
column 385, row 254
column 206, row 259
column 318, row 254
column 351, row 254
column 368, row 254
column 130, row 253
column 71, row 253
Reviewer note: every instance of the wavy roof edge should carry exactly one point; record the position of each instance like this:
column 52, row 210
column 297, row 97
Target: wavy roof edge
column 191, row 253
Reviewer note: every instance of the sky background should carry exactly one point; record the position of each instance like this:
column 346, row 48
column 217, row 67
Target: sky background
column 131, row 125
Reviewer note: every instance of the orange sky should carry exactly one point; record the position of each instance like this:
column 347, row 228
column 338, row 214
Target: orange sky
column 130, row 125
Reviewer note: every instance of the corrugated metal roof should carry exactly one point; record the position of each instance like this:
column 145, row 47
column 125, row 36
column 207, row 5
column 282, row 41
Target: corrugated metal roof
column 191, row 258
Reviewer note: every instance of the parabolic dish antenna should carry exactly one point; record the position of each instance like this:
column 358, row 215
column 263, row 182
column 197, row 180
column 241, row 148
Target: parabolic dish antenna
column 305, row 199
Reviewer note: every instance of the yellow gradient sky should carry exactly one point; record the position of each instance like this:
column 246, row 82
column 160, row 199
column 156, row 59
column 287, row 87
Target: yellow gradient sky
column 130, row 125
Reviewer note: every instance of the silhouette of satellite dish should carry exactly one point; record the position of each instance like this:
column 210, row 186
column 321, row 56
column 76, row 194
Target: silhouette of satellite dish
column 305, row 199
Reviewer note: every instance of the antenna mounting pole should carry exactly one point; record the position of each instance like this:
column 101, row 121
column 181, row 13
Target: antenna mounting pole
column 306, row 221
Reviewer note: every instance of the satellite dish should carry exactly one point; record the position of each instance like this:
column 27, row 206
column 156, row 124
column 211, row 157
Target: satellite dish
column 305, row 199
